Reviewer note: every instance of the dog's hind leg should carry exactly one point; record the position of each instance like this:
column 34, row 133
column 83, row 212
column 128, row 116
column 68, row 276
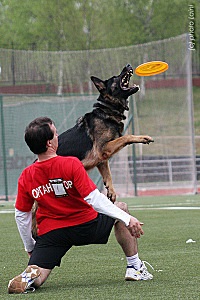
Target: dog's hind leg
column 104, row 170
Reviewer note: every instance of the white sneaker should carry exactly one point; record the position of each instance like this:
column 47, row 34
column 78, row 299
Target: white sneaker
column 141, row 274
column 21, row 283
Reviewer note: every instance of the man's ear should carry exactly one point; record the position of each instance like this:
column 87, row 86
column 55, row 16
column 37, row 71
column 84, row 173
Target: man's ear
column 48, row 144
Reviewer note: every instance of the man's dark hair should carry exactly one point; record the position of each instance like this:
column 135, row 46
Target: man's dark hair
column 37, row 133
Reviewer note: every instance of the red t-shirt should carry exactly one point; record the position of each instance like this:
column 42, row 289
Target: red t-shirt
column 58, row 185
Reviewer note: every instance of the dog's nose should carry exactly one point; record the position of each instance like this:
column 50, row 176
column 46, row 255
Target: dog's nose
column 128, row 66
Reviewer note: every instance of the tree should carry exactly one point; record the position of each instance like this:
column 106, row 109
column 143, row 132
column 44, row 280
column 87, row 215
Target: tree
column 59, row 25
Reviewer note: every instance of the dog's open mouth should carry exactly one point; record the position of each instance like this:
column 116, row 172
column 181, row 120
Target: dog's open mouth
column 126, row 79
column 126, row 74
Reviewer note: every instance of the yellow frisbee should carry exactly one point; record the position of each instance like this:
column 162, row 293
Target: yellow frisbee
column 151, row 68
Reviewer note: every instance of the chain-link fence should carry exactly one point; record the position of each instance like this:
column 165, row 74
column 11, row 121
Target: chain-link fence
column 58, row 85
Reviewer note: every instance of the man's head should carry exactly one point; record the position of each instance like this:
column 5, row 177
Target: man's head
column 38, row 133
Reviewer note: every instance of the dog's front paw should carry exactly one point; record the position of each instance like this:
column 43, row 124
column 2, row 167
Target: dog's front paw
column 146, row 139
column 111, row 195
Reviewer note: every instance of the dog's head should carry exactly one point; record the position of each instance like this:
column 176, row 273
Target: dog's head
column 116, row 90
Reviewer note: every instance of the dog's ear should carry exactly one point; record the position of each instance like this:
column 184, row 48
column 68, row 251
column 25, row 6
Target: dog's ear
column 100, row 84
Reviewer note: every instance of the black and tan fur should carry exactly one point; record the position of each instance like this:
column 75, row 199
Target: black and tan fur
column 98, row 134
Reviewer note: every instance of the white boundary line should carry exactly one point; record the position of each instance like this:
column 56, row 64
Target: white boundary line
column 11, row 211
column 166, row 208
column 7, row 211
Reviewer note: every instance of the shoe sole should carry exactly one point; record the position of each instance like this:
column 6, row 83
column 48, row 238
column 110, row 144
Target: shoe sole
column 18, row 286
column 135, row 279
column 131, row 279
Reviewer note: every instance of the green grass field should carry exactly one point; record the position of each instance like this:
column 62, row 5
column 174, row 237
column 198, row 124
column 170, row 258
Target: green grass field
column 97, row 272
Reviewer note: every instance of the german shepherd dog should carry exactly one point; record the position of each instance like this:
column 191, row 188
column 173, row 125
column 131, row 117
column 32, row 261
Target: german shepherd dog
column 98, row 134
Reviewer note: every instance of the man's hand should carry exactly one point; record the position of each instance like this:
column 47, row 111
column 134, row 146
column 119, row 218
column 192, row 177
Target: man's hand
column 135, row 227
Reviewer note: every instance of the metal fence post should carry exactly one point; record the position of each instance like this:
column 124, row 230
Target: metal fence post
column 4, row 148
column 133, row 146
column 191, row 112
